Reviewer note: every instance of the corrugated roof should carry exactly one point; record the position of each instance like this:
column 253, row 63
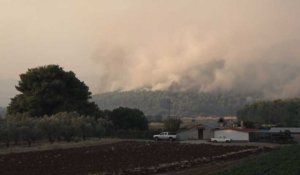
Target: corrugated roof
column 190, row 128
column 212, row 125
column 282, row 129
column 241, row 129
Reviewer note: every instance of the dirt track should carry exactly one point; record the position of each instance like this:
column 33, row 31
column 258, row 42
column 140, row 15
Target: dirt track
column 124, row 157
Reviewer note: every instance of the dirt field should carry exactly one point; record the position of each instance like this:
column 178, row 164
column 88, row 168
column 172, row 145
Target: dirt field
column 127, row 157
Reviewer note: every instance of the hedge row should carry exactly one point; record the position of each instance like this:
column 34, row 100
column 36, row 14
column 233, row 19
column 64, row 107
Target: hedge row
column 59, row 127
column 62, row 127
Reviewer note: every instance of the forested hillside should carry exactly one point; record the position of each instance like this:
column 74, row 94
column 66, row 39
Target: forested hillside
column 180, row 103
column 279, row 112
column 2, row 111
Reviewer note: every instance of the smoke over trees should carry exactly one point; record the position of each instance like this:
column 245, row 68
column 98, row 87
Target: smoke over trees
column 167, row 103
column 194, row 45
column 204, row 46
column 279, row 112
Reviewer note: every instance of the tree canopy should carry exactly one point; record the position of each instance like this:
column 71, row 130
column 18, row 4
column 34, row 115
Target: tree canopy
column 126, row 119
column 48, row 90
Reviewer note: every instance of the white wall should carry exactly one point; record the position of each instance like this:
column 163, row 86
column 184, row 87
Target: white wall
column 232, row 134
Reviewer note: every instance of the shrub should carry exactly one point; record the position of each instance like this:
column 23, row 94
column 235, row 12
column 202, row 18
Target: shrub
column 172, row 125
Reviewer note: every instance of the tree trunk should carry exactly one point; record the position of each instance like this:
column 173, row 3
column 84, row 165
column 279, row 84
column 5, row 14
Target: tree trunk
column 16, row 141
column 50, row 139
column 29, row 142
column 7, row 143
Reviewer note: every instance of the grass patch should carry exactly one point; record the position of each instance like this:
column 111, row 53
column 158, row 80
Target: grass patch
column 282, row 161
column 156, row 125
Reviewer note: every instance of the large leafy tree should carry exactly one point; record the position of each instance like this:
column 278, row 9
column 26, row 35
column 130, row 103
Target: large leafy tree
column 49, row 90
column 128, row 119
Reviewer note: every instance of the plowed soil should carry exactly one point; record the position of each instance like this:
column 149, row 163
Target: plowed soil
column 128, row 157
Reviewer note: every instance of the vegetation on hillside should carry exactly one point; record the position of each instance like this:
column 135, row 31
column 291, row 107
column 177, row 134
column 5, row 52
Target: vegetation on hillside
column 278, row 112
column 285, row 160
column 160, row 103
column 2, row 112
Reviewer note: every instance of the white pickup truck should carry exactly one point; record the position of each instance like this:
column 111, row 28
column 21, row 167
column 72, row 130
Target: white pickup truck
column 221, row 139
column 165, row 136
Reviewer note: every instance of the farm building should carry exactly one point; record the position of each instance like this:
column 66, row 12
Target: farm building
column 295, row 132
column 236, row 134
column 204, row 132
column 278, row 135
column 199, row 132
column 282, row 129
column 193, row 133
column 210, row 130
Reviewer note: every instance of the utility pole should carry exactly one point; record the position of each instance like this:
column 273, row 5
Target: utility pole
column 169, row 108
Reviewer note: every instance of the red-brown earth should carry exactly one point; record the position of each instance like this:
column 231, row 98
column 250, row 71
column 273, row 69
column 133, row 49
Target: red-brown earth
column 127, row 157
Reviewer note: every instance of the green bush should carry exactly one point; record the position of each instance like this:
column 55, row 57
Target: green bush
column 172, row 125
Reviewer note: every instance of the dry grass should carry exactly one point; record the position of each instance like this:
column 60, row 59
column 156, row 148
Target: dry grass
column 156, row 125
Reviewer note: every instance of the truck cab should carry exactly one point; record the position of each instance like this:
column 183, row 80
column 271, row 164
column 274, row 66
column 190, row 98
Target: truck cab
column 165, row 136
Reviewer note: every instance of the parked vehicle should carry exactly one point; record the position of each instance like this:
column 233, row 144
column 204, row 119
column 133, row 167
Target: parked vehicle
column 221, row 139
column 165, row 136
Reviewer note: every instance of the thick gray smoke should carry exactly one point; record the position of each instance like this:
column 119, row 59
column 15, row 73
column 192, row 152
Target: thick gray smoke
column 199, row 45
column 205, row 46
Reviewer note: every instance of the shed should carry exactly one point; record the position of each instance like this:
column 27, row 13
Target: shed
column 282, row 129
column 236, row 134
column 209, row 129
column 295, row 132
column 199, row 132
column 193, row 133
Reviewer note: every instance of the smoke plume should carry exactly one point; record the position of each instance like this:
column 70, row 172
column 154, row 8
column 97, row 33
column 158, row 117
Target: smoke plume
column 199, row 45
column 204, row 46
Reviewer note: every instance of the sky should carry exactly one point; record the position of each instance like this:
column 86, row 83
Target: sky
column 202, row 45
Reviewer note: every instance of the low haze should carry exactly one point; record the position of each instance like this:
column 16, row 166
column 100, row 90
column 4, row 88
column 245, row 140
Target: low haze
column 242, row 45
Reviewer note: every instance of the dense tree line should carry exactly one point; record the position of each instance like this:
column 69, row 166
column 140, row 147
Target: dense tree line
column 158, row 103
column 2, row 112
column 64, row 126
column 278, row 112
column 59, row 127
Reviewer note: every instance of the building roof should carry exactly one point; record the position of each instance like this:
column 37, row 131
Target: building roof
column 241, row 129
column 282, row 129
column 212, row 125
column 190, row 128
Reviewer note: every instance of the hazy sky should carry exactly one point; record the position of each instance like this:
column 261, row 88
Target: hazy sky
column 157, row 44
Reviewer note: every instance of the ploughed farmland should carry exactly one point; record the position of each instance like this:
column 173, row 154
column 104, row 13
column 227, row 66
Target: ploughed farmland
column 128, row 157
